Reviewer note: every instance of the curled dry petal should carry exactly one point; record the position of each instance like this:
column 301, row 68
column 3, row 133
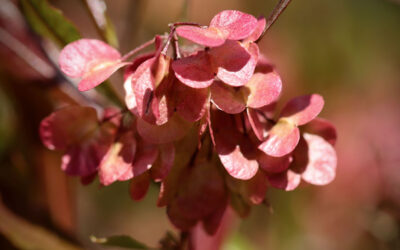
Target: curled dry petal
column 164, row 162
column 223, row 131
column 274, row 164
column 303, row 109
column 210, row 36
column 323, row 128
column 92, row 60
column 139, row 186
column 191, row 103
column 201, row 192
column 136, row 62
column 256, row 188
column 118, row 159
column 239, row 25
column 227, row 98
column 228, row 24
column 130, row 98
column 77, row 130
column 234, row 63
column 162, row 104
column 269, row 110
column 143, row 86
column 184, row 150
column 173, row 130
column 300, row 156
column 282, row 139
column 195, row 71
column 321, row 168
column 83, row 158
column 145, row 156
column 253, row 191
column 178, row 220
column 99, row 74
column 231, row 147
column 212, row 223
column 237, row 165
column 67, row 126
column 287, row 180
column 150, row 89
column 263, row 89
column 264, row 65
column 258, row 124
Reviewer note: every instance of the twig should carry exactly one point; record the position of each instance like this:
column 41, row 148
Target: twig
column 137, row 49
column 167, row 43
column 279, row 8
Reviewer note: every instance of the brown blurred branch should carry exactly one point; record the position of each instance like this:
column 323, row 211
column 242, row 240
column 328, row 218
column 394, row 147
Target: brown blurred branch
column 25, row 235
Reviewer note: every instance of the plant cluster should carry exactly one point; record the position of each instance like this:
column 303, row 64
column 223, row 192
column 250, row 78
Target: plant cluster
column 200, row 120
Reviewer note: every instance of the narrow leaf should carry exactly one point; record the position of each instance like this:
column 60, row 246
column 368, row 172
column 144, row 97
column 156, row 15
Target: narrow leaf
column 49, row 21
column 119, row 241
column 103, row 23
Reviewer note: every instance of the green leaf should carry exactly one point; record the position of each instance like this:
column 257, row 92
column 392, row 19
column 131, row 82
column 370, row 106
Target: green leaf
column 49, row 22
column 119, row 241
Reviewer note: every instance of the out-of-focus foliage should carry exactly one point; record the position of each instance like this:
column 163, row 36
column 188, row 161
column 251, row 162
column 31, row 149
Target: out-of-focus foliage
column 27, row 236
column 49, row 22
column 119, row 241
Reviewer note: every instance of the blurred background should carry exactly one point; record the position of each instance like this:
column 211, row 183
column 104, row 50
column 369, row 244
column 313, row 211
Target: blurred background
column 346, row 50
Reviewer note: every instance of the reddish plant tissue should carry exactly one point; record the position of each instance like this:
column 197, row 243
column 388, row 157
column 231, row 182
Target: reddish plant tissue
column 201, row 123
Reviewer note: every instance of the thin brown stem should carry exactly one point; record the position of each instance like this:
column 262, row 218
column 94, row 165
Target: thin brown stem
column 177, row 52
column 168, row 42
column 137, row 49
column 184, row 23
column 278, row 10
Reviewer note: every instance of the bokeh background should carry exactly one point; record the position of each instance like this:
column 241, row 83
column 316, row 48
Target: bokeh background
column 346, row 50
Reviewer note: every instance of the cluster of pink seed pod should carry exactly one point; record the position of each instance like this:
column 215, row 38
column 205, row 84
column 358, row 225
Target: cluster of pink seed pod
column 202, row 122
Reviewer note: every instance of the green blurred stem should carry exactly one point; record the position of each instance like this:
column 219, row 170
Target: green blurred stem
column 185, row 9
column 104, row 26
